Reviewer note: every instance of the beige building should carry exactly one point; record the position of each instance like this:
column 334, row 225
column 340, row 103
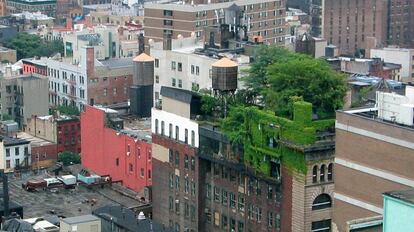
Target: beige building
column 263, row 18
column 23, row 96
column 84, row 223
column 7, row 54
column 374, row 154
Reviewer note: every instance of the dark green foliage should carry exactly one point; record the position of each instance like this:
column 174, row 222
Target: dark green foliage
column 6, row 117
column 68, row 110
column 29, row 45
column 254, row 128
column 311, row 79
column 68, row 158
column 208, row 104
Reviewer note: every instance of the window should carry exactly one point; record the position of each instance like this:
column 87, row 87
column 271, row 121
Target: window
column 193, row 212
column 186, row 161
column 177, row 206
column 216, row 194
column 156, row 126
column 171, row 180
column 114, row 91
column 192, row 163
column 241, row 226
column 177, row 182
column 186, row 185
column 277, row 222
column 192, row 69
column 330, row 172
column 232, row 200
column 186, row 136
column 16, row 151
column 180, row 83
column 170, row 203
column 322, row 174
column 315, row 174
column 131, row 168
column 224, row 221
column 157, row 63
column 224, row 197
column 171, row 156
column 173, row 82
column 177, row 158
column 232, row 224
column 193, row 188
column 180, row 66
column 241, row 202
column 197, row 70
column 7, row 152
column 168, row 22
column 142, row 172
column 270, row 219
column 117, row 161
column 162, row 128
column 149, row 174
column 168, row 13
column 17, row 162
column 7, row 163
column 269, row 192
column 323, row 201
column 186, row 209
column 192, row 138
column 208, row 191
column 321, row 226
column 177, row 133
column 157, row 79
column 173, row 65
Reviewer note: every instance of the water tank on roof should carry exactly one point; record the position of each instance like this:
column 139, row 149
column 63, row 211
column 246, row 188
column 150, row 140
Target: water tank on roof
column 143, row 70
column 224, row 75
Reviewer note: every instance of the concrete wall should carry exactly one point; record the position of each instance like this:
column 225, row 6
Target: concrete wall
column 93, row 226
column 35, row 97
column 42, row 128
column 404, row 57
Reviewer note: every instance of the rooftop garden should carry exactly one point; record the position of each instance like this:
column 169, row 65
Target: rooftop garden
column 289, row 98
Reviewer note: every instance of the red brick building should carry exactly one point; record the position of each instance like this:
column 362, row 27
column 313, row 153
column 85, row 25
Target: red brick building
column 123, row 153
column 62, row 130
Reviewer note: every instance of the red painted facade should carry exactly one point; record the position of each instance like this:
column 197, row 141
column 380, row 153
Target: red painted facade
column 69, row 135
column 29, row 67
column 107, row 152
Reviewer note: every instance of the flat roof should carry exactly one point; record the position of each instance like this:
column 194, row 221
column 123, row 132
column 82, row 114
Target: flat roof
column 34, row 141
column 138, row 128
column 179, row 6
column 12, row 141
column 80, row 219
column 404, row 195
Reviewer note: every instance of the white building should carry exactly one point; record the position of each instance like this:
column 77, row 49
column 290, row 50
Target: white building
column 14, row 152
column 402, row 56
column 186, row 66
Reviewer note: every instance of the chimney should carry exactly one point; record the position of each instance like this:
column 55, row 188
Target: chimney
column 167, row 42
column 141, row 43
column 88, row 61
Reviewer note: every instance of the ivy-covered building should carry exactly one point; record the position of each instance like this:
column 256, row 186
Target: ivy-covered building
column 252, row 171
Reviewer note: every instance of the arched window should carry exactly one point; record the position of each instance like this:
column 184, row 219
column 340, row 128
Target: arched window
column 186, row 161
column 177, row 133
column 162, row 128
column 330, row 172
column 315, row 174
column 323, row 201
column 322, row 174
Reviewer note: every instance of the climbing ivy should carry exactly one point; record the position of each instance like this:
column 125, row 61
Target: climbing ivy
column 266, row 136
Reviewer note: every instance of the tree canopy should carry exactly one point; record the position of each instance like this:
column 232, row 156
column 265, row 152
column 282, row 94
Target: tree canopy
column 29, row 45
column 68, row 158
column 278, row 75
column 68, row 110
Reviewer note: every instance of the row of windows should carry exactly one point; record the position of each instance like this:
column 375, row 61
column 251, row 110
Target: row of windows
column 189, row 209
column 226, row 198
column 175, row 159
column 177, row 132
column 115, row 91
column 17, row 151
column 56, row 74
column 189, row 186
column 72, row 90
column 255, row 214
column 322, row 172
column 131, row 169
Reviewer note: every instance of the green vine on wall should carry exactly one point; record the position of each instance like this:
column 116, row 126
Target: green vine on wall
column 255, row 129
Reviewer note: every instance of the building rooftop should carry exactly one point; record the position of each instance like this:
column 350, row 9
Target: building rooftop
column 404, row 195
column 143, row 58
column 116, row 63
column 182, row 6
column 13, row 141
column 126, row 218
column 34, row 141
column 178, row 94
column 80, row 219
column 138, row 128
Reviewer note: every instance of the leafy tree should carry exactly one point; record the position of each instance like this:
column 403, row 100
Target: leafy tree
column 68, row 158
column 208, row 104
column 68, row 110
column 311, row 79
column 256, row 79
column 29, row 45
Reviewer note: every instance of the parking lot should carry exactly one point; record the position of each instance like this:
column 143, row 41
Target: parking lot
column 64, row 202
